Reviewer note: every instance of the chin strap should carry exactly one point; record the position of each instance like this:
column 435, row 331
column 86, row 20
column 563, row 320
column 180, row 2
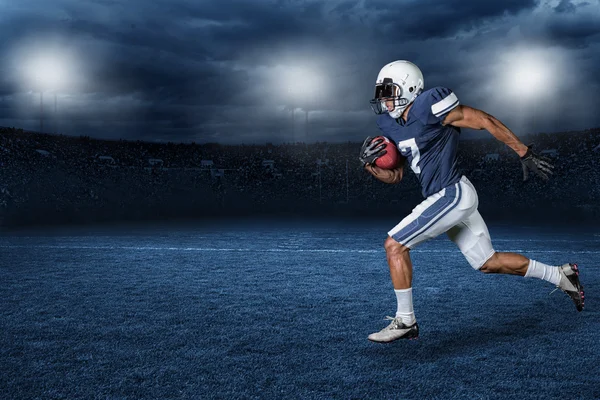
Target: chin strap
column 406, row 106
column 397, row 114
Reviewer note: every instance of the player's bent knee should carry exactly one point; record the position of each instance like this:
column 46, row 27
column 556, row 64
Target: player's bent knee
column 485, row 269
column 392, row 246
column 480, row 256
column 491, row 266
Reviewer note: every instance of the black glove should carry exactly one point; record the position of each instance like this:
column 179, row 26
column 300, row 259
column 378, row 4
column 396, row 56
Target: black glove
column 371, row 151
column 533, row 162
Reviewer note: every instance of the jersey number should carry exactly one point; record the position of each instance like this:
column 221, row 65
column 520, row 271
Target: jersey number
column 411, row 145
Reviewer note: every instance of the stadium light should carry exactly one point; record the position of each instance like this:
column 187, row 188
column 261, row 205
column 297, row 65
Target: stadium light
column 46, row 72
column 529, row 73
column 528, row 77
column 302, row 83
column 45, row 65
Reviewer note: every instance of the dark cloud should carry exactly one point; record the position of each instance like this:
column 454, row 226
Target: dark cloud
column 573, row 32
column 565, row 6
column 434, row 19
column 205, row 70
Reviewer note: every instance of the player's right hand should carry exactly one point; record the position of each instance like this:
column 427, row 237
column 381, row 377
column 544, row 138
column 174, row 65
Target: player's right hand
column 537, row 164
column 371, row 150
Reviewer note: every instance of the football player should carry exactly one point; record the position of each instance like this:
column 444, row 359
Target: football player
column 425, row 125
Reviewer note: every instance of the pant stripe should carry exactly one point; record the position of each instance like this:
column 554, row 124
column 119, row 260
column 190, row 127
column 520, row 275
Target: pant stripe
column 435, row 218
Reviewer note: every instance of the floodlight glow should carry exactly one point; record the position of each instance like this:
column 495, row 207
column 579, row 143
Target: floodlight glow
column 47, row 72
column 45, row 65
column 302, row 82
column 529, row 76
column 297, row 83
column 529, row 73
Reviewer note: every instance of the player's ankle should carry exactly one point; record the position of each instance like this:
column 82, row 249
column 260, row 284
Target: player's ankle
column 407, row 319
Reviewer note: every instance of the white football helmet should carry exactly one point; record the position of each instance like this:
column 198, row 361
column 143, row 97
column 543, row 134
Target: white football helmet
column 400, row 81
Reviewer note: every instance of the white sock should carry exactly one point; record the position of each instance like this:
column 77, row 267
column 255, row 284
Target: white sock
column 405, row 306
column 540, row 270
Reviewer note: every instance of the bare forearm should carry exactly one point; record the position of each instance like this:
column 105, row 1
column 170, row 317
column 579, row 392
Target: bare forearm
column 469, row 117
column 505, row 135
column 391, row 176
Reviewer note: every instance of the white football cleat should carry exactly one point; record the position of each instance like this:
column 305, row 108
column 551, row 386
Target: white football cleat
column 394, row 331
column 569, row 283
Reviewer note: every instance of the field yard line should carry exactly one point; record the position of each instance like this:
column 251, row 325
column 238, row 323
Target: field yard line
column 281, row 250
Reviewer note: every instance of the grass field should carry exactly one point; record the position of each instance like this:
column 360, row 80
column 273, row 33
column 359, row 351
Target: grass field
column 252, row 310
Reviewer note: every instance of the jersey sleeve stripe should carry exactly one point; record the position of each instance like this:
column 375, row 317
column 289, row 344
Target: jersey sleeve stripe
column 453, row 105
column 444, row 105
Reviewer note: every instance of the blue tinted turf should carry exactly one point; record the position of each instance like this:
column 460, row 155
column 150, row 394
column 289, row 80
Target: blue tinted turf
column 257, row 310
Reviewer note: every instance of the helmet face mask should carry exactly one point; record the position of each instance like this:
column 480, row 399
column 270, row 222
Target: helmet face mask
column 388, row 91
column 400, row 82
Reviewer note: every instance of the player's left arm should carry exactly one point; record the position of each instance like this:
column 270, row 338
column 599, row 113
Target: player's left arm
column 468, row 117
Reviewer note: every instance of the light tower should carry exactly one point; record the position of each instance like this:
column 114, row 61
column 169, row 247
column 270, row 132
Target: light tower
column 47, row 73
column 303, row 83
column 46, row 70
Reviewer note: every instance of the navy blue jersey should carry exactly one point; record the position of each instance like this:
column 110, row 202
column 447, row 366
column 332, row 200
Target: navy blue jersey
column 429, row 146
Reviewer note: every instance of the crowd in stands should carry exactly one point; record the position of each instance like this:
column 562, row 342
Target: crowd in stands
column 47, row 178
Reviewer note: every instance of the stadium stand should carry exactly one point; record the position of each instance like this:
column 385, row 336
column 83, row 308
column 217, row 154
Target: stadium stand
column 55, row 179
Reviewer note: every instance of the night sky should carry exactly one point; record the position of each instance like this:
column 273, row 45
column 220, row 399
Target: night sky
column 232, row 71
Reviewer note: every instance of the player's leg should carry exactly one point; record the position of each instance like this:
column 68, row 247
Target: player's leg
column 398, row 258
column 515, row 264
column 565, row 277
column 404, row 324
column 433, row 216
column 472, row 237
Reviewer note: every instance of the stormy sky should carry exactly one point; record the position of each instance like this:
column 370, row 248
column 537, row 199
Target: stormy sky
column 254, row 71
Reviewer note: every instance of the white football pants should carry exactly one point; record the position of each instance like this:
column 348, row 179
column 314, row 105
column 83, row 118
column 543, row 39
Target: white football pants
column 452, row 210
